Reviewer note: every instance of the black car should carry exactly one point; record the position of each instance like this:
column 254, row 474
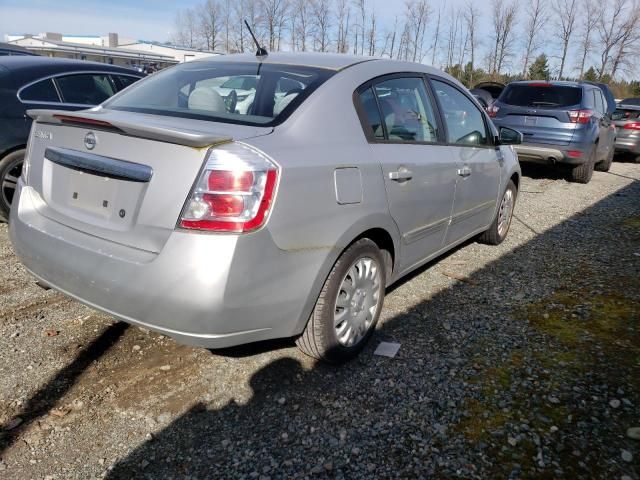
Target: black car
column 28, row 82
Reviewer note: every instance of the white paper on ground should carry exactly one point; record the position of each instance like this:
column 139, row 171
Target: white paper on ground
column 387, row 349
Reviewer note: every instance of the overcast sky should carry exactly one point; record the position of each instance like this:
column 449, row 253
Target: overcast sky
column 138, row 19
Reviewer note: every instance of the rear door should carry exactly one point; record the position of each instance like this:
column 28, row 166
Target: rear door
column 478, row 161
column 607, row 132
column 406, row 136
column 540, row 111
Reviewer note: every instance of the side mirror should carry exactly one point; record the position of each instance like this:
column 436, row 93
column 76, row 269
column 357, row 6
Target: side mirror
column 509, row 136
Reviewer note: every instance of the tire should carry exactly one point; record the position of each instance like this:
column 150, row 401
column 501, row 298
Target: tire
column 499, row 229
column 326, row 336
column 605, row 165
column 10, row 170
column 583, row 173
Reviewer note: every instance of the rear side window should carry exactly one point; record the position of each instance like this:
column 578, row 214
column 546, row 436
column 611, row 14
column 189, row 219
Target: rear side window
column 464, row 121
column 372, row 114
column 541, row 95
column 599, row 102
column 232, row 92
column 43, row 91
column 123, row 81
column 85, row 89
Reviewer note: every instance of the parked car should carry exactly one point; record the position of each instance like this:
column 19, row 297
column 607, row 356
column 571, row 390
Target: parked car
column 42, row 82
column 494, row 89
column 563, row 123
column 627, row 121
column 484, row 97
column 630, row 101
column 219, row 228
column 12, row 49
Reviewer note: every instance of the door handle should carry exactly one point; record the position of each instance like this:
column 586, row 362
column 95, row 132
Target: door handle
column 464, row 171
column 401, row 175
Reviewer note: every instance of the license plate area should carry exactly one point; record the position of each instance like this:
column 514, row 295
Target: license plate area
column 530, row 121
column 92, row 198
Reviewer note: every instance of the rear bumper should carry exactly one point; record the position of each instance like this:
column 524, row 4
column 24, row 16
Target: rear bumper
column 213, row 291
column 628, row 145
column 550, row 154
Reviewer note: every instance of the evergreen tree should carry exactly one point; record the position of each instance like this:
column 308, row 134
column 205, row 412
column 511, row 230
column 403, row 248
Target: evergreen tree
column 590, row 75
column 539, row 69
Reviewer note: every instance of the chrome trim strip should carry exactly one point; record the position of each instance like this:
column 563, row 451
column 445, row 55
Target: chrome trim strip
column 472, row 211
column 421, row 232
column 99, row 165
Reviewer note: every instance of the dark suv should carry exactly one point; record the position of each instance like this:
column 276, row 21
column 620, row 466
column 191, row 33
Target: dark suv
column 564, row 123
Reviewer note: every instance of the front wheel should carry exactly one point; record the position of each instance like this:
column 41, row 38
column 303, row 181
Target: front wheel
column 349, row 305
column 10, row 170
column 498, row 230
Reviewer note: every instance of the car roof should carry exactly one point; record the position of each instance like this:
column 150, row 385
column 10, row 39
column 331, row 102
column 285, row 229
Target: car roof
column 559, row 83
column 25, row 64
column 330, row 61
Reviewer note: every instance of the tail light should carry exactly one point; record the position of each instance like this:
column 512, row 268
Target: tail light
column 580, row 116
column 493, row 111
column 234, row 192
column 574, row 154
column 632, row 126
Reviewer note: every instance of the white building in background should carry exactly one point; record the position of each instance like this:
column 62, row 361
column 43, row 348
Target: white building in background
column 107, row 49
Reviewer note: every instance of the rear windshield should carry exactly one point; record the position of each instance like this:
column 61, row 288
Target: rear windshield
column 626, row 114
column 549, row 96
column 228, row 92
column 630, row 101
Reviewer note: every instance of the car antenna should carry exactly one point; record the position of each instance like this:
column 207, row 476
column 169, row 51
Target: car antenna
column 262, row 52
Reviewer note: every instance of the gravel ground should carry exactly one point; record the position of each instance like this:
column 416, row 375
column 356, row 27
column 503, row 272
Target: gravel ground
column 517, row 361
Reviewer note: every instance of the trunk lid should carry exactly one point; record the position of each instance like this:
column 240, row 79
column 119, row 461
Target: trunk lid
column 123, row 177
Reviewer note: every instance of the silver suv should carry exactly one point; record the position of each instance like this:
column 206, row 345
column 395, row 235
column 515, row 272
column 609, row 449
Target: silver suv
column 170, row 208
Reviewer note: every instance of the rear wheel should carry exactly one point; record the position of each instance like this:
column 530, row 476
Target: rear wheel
column 500, row 227
column 583, row 173
column 349, row 305
column 605, row 165
column 10, row 170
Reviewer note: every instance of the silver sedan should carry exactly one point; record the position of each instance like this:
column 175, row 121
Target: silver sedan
column 172, row 208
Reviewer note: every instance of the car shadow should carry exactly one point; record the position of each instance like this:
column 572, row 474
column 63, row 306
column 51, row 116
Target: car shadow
column 540, row 171
column 378, row 417
column 46, row 397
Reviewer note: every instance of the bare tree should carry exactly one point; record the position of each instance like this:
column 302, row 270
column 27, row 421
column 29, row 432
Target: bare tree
column 504, row 19
column 436, row 38
column 565, row 12
column 373, row 34
column 471, row 17
column 610, row 30
column 534, row 25
column 274, row 15
column 302, row 14
column 186, row 28
column 210, row 23
column 590, row 18
column 342, row 15
column 419, row 12
column 625, row 51
column 321, row 24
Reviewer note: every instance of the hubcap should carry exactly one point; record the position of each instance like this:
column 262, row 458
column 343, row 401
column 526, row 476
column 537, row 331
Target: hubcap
column 10, row 181
column 358, row 301
column 504, row 215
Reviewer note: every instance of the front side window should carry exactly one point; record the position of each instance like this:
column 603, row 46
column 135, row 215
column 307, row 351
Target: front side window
column 43, row 91
column 123, row 81
column 85, row 88
column 464, row 120
column 246, row 93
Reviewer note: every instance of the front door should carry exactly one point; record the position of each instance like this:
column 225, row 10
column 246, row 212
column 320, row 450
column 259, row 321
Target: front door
column 419, row 172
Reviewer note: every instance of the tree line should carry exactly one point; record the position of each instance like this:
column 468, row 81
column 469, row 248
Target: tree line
column 502, row 40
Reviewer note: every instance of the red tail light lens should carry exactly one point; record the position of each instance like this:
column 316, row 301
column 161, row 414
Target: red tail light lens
column 580, row 116
column 574, row 154
column 493, row 111
column 632, row 126
column 234, row 192
column 230, row 180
